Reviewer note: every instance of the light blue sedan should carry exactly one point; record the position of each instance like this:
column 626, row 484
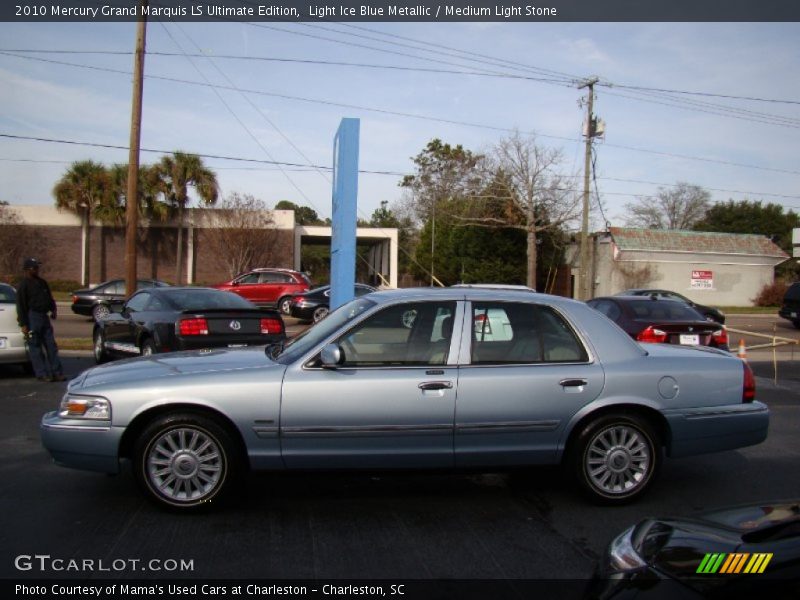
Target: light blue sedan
column 404, row 379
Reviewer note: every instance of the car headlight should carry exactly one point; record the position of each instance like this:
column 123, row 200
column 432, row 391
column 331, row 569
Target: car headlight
column 84, row 407
column 622, row 556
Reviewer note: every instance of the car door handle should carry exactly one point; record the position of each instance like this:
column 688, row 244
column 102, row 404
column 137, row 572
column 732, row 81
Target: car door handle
column 572, row 382
column 436, row 385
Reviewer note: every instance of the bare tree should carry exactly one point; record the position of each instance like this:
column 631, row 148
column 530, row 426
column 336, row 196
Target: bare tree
column 539, row 190
column 13, row 241
column 243, row 235
column 678, row 207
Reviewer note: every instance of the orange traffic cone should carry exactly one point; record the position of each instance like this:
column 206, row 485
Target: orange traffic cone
column 742, row 350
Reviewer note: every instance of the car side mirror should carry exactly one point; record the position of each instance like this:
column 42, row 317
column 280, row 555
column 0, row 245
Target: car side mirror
column 331, row 356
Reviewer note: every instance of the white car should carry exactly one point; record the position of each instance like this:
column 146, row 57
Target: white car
column 12, row 342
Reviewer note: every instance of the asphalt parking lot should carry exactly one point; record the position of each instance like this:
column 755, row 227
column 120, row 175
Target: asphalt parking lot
column 494, row 526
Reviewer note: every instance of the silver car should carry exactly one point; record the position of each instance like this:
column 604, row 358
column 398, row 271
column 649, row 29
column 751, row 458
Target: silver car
column 370, row 388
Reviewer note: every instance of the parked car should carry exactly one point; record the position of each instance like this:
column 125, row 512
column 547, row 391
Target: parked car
column 314, row 305
column 709, row 312
column 741, row 552
column 166, row 319
column 652, row 320
column 362, row 390
column 791, row 305
column 96, row 301
column 273, row 287
column 12, row 343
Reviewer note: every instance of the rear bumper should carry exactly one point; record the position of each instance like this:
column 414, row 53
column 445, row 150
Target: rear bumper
column 201, row 342
column 80, row 445
column 13, row 348
column 718, row 428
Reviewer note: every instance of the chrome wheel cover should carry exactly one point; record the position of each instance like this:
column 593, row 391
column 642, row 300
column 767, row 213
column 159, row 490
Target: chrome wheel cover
column 100, row 312
column 618, row 460
column 185, row 465
column 147, row 350
column 98, row 347
column 320, row 313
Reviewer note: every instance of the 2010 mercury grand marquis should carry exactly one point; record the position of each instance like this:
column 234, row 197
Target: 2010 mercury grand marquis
column 410, row 379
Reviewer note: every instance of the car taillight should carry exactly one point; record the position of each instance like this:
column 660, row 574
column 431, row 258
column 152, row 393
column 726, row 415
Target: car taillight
column 651, row 335
column 298, row 299
column 720, row 337
column 194, row 326
column 74, row 299
column 748, row 384
column 271, row 325
column 482, row 324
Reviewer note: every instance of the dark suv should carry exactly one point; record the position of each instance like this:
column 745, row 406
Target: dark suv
column 791, row 304
column 268, row 286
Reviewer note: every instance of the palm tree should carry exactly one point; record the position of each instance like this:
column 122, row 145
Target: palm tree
column 179, row 171
column 87, row 189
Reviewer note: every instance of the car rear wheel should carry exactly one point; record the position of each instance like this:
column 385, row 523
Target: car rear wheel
column 100, row 312
column 99, row 346
column 285, row 305
column 186, row 461
column 320, row 313
column 615, row 458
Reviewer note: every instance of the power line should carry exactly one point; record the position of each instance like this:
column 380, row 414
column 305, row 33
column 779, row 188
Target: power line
column 404, row 114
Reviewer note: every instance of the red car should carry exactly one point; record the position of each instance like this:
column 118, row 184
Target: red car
column 268, row 286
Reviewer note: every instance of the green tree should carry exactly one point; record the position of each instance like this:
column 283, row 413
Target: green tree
column 179, row 172
column 393, row 218
column 88, row 190
column 303, row 215
column 444, row 176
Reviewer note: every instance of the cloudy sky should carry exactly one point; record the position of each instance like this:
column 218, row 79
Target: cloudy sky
column 465, row 83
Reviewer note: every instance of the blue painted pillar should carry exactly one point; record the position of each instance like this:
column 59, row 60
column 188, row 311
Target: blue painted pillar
column 345, row 201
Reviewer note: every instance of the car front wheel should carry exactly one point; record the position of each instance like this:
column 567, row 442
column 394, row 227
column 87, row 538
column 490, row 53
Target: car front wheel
column 99, row 346
column 615, row 457
column 185, row 461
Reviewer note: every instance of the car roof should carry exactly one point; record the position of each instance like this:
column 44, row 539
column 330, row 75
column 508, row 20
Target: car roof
column 467, row 293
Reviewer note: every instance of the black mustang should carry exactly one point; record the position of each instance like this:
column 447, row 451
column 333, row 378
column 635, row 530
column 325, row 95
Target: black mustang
column 182, row 318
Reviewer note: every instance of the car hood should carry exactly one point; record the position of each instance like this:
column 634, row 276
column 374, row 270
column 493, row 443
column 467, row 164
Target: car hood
column 677, row 546
column 193, row 363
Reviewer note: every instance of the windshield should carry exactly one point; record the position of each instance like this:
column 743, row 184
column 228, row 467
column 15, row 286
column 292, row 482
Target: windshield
column 316, row 334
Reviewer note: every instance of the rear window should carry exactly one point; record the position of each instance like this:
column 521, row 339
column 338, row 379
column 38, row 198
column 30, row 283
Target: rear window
column 206, row 299
column 651, row 310
column 8, row 294
column 793, row 293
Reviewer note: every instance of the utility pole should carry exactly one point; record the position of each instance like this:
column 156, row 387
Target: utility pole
column 132, row 195
column 584, row 285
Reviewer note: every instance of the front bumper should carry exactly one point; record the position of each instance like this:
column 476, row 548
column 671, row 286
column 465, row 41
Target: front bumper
column 717, row 428
column 91, row 446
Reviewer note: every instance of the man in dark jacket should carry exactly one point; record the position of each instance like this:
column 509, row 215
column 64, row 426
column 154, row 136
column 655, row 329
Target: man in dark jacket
column 34, row 302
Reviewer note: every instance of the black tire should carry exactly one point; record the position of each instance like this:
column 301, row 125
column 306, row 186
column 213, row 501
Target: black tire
column 285, row 305
column 100, row 312
column 27, row 368
column 186, row 462
column 320, row 313
column 98, row 346
column 148, row 347
column 615, row 458
column 796, row 324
